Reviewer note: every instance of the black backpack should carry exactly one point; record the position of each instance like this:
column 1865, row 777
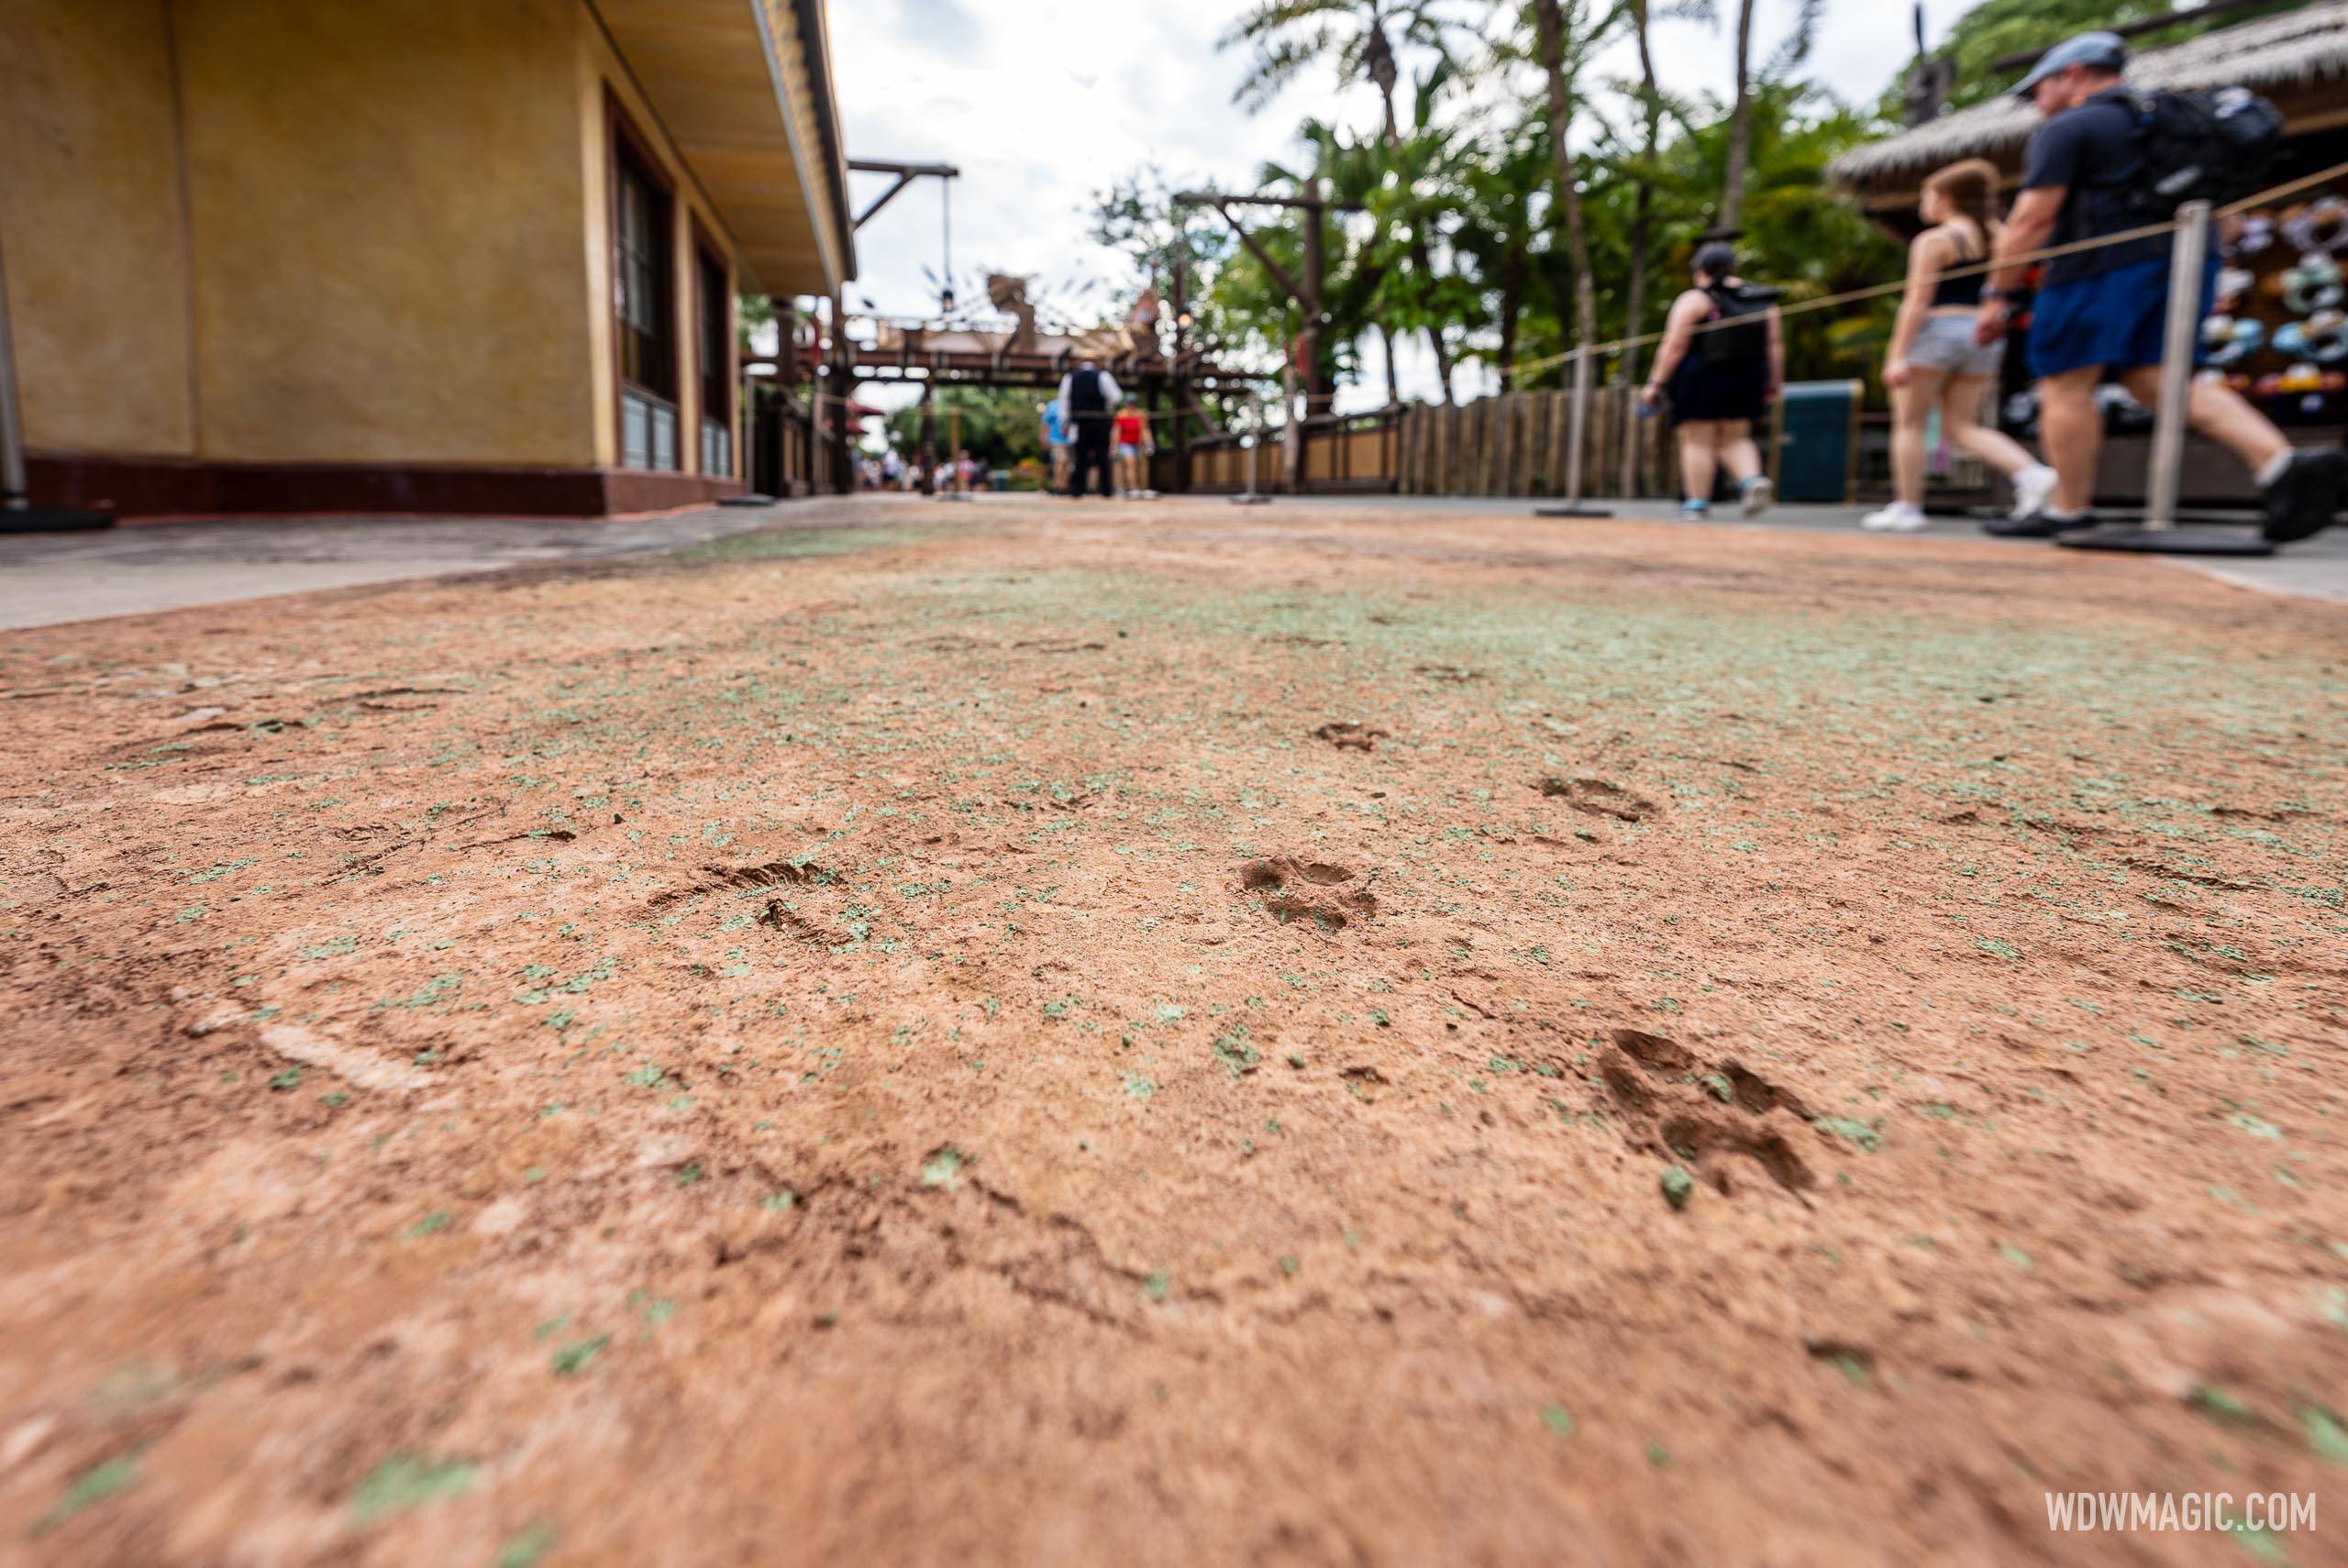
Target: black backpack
column 2209, row 144
column 1740, row 332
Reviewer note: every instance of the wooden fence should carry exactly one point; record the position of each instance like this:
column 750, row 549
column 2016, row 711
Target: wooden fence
column 1511, row 444
column 1516, row 444
column 1357, row 453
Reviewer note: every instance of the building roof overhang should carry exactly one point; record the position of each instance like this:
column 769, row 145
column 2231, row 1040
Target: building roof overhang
column 743, row 90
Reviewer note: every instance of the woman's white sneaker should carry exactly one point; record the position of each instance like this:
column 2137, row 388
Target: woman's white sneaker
column 2033, row 488
column 1897, row 518
column 1757, row 494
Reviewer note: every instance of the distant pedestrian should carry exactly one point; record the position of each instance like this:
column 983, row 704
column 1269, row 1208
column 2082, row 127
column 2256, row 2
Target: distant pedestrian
column 1088, row 394
column 1132, row 450
column 2103, row 311
column 1933, row 363
column 1059, row 443
column 1721, row 380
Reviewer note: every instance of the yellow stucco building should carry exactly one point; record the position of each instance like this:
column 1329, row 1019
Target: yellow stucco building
column 474, row 255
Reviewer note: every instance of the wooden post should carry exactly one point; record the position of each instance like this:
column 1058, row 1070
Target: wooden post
column 1179, row 388
column 842, row 467
column 1316, row 398
column 1291, row 433
column 928, row 438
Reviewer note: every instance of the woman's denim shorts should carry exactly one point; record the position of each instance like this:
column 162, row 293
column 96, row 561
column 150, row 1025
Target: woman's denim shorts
column 1945, row 343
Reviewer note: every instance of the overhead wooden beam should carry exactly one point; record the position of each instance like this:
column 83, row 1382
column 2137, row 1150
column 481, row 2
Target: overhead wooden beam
column 883, row 200
column 1279, row 275
column 911, row 170
column 906, row 174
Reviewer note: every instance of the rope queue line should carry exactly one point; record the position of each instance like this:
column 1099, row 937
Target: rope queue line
column 1877, row 291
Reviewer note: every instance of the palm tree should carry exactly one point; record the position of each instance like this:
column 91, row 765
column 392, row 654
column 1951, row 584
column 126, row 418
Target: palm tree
column 1740, row 124
column 1564, row 45
column 1789, row 56
column 1496, row 187
column 1358, row 36
column 1635, row 305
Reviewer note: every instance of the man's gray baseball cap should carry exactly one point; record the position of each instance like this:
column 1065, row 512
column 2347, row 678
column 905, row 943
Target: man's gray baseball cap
column 2104, row 51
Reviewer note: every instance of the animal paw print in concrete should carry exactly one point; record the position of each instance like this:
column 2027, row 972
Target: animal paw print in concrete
column 1598, row 798
column 1350, row 737
column 1313, row 893
column 1718, row 1121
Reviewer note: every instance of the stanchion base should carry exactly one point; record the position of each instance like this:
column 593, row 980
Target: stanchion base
column 1571, row 512
column 752, row 499
column 2139, row 539
column 1251, row 501
column 51, row 520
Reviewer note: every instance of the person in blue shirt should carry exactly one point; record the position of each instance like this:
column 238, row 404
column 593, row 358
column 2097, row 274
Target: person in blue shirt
column 1057, row 443
column 2103, row 310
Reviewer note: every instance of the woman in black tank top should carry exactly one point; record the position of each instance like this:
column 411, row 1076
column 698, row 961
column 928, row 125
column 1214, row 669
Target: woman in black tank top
column 1933, row 364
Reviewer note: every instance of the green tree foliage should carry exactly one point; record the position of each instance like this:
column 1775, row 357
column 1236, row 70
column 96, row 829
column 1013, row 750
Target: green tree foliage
column 1001, row 427
column 1995, row 28
column 1466, row 238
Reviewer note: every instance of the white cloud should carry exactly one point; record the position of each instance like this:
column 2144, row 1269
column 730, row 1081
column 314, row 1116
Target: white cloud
column 1041, row 103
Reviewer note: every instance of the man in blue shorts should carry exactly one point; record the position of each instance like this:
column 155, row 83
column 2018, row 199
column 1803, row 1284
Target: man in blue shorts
column 2103, row 310
column 1058, row 444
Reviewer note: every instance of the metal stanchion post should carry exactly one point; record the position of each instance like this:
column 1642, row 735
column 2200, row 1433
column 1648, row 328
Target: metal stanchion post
column 2181, row 333
column 1255, row 446
column 1576, row 429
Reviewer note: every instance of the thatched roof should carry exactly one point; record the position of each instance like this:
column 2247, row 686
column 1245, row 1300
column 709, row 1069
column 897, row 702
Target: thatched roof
column 2293, row 50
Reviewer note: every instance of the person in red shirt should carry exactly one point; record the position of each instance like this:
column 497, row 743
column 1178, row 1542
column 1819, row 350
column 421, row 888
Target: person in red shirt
column 1132, row 450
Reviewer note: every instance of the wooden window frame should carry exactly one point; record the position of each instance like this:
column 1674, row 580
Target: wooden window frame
column 628, row 145
column 708, row 254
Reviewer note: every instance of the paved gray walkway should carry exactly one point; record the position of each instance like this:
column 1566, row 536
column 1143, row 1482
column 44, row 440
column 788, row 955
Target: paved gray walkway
column 49, row 579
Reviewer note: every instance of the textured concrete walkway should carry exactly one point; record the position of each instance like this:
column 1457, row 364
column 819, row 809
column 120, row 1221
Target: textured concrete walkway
column 47, row 579
column 2316, row 568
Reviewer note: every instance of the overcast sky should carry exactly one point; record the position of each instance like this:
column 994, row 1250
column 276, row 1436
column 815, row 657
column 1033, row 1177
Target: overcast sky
column 1041, row 103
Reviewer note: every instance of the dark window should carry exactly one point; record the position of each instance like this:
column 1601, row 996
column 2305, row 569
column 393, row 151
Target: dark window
column 716, row 351
column 645, row 259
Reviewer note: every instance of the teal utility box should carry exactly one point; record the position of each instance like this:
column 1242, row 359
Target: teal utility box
column 1815, row 440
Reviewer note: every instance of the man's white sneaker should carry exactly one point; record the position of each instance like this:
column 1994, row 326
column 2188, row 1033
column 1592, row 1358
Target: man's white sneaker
column 2033, row 488
column 1897, row 518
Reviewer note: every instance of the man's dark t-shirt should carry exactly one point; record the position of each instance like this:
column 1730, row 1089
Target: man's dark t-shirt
column 2090, row 151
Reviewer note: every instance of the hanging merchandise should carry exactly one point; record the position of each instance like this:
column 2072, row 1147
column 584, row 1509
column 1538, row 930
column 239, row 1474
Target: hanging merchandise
column 2321, row 225
column 2232, row 284
column 2306, row 383
column 2229, row 340
column 2322, row 338
column 2314, row 286
column 2299, row 380
column 2256, row 232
